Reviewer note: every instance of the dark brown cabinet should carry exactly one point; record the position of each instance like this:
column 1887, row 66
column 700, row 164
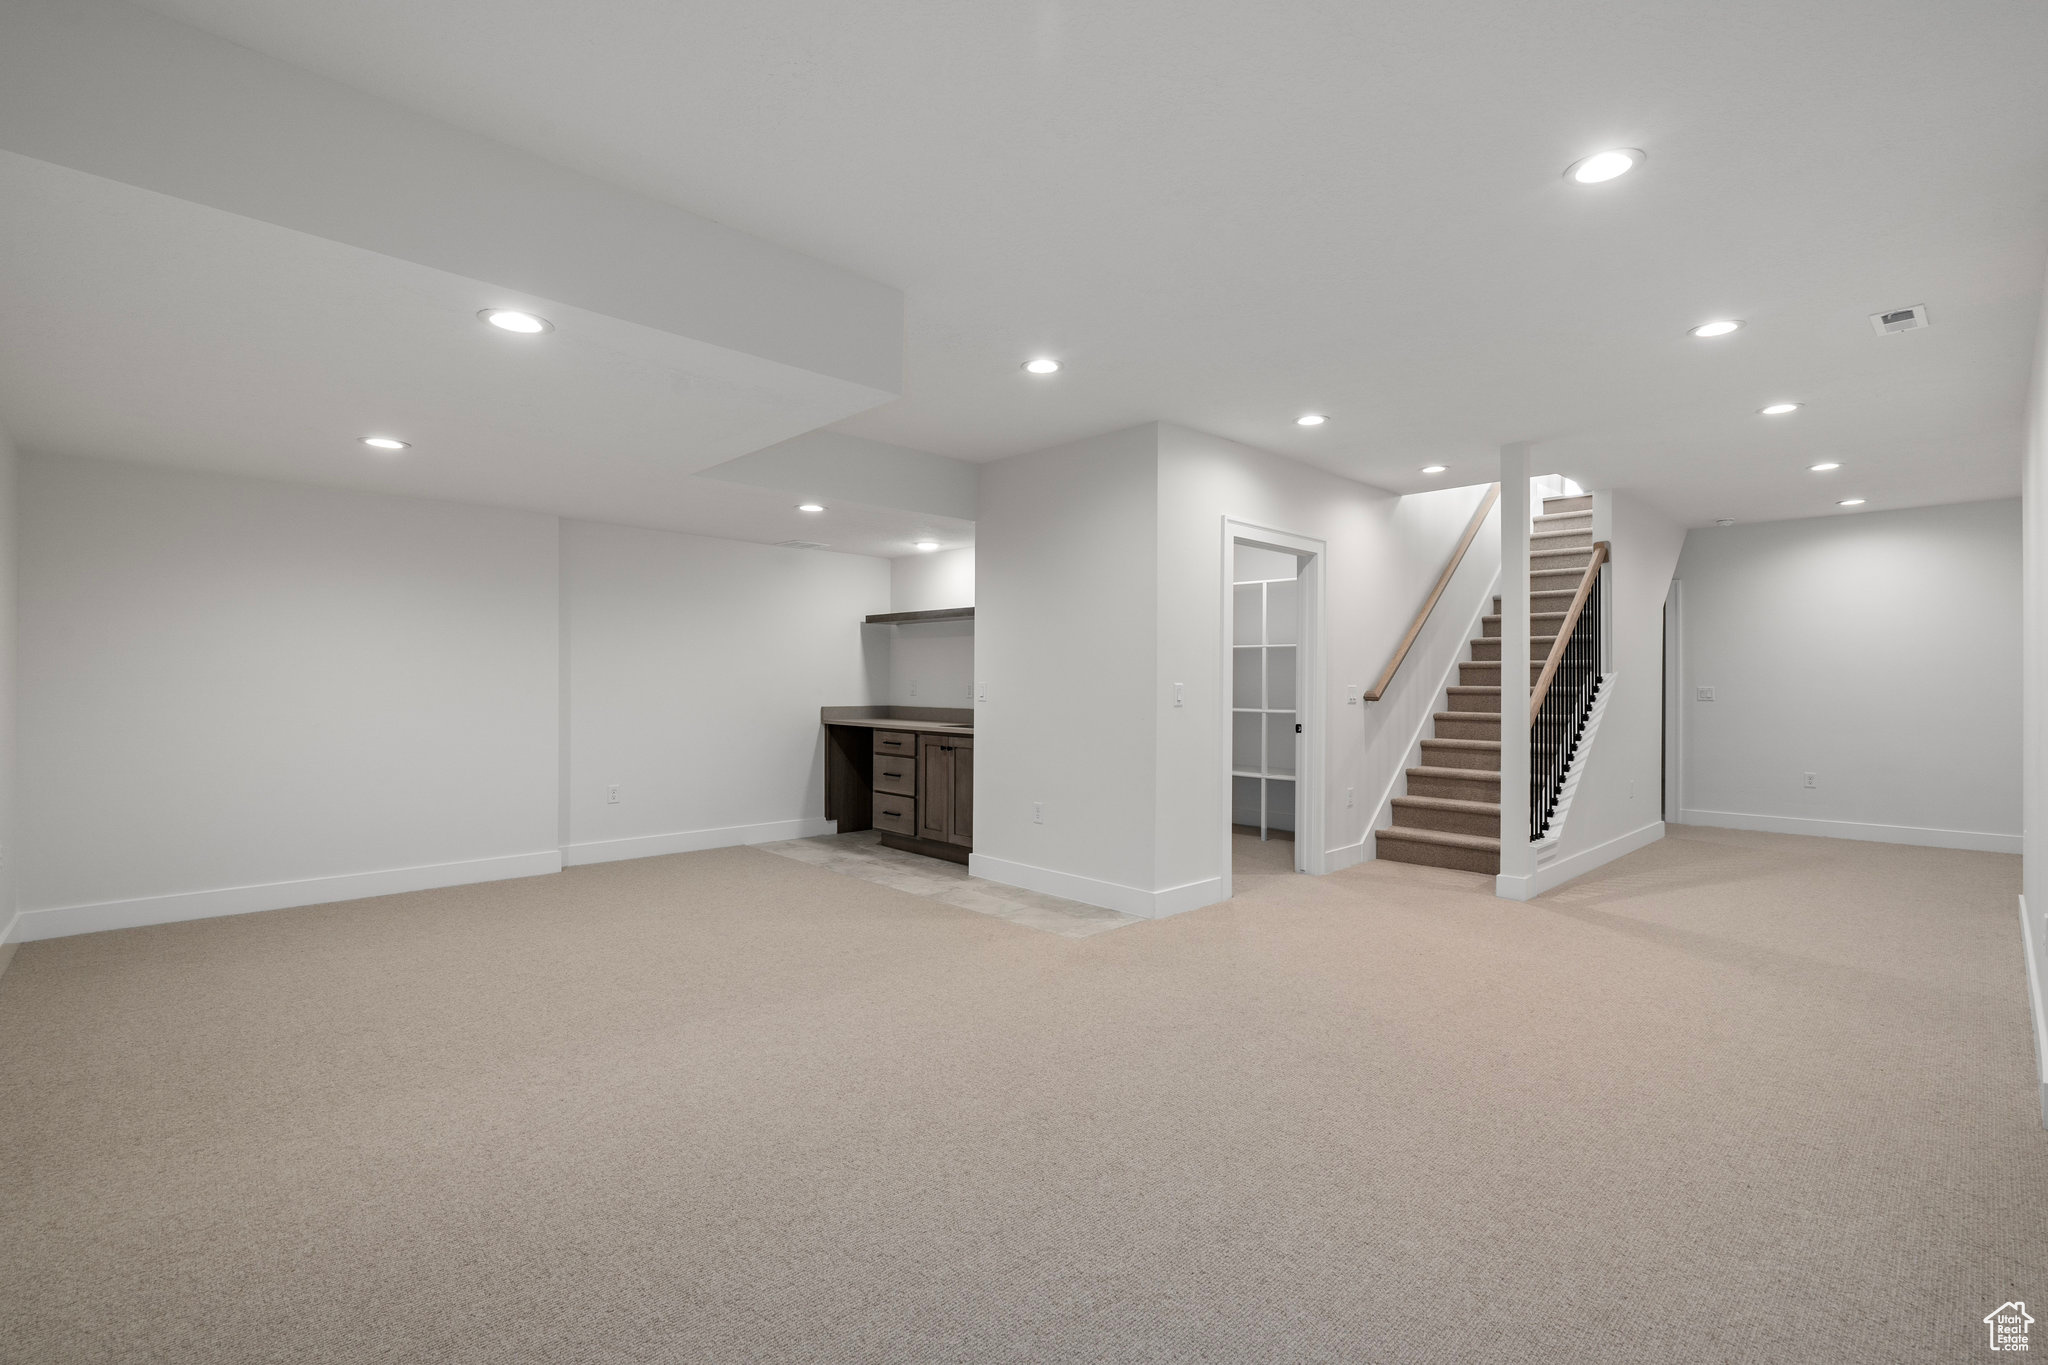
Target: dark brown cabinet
column 911, row 781
column 945, row 789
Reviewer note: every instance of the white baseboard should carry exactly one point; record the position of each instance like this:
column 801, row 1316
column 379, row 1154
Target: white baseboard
column 1128, row 900
column 1850, row 829
column 1556, row 874
column 2034, row 947
column 63, row 921
column 694, row 840
column 1351, row 855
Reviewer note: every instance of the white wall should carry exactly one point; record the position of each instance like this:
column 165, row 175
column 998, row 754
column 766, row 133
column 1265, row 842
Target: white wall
column 1879, row 651
column 8, row 807
column 933, row 582
column 931, row 663
column 1615, row 806
column 2034, row 748
column 238, row 694
column 695, row 670
column 1067, row 582
column 1384, row 553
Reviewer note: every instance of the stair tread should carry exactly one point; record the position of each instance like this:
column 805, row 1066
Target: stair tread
column 1463, row 774
column 1450, row 803
column 1479, row 842
column 1475, row 689
column 1469, row 717
column 1463, row 743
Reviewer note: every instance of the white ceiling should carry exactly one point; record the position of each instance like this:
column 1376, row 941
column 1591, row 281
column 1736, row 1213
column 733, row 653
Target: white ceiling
column 144, row 327
column 1224, row 214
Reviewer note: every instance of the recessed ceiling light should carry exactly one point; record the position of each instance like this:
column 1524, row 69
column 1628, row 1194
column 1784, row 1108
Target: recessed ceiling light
column 1310, row 419
column 1724, row 521
column 1044, row 364
column 385, row 443
column 927, row 545
column 512, row 320
column 1601, row 166
column 810, row 507
column 1779, row 409
column 1850, row 502
column 1825, row 466
column 1720, row 327
column 1434, row 468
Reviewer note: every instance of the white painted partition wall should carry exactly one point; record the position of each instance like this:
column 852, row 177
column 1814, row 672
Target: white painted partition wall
column 9, row 539
column 1099, row 583
column 239, row 695
column 2033, row 906
column 245, row 695
column 1878, row 651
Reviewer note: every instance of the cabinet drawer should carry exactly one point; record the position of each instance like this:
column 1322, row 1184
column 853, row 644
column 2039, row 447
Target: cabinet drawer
column 895, row 774
column 896, row 742
column 896, row 814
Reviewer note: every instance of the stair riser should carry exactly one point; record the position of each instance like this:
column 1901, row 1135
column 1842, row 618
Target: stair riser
column 1488, row 675
column 1478, row 787
column 1565, row 581
column 1488, row 650
column 1563, row 521
column 1468, row 725
column 1578, row 502
column 1448, row 821
column 1562, row 540
column 1541, row 623
column 1449, row 756
column 1395, row 849
column 1574, row 561
column 1485, row 703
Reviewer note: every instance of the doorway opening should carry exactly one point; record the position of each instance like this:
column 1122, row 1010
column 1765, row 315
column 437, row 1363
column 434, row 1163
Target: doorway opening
column 1273, row 603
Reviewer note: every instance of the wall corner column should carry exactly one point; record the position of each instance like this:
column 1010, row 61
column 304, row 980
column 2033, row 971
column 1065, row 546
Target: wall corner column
column 1517, row 860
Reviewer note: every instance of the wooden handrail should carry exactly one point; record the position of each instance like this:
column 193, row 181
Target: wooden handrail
column 1443, row 581
column 1564, row 631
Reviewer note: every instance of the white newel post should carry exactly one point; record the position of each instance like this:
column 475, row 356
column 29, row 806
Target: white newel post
column 1516, row 859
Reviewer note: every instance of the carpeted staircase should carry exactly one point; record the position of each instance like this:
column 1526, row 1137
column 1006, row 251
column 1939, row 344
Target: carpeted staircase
column 1451, row 814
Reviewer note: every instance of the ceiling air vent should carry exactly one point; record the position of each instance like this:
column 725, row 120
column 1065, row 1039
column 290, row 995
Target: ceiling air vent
column 1899, row 320
column 801, row 545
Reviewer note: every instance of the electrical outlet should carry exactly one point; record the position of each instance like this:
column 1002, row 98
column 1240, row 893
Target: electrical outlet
column 1809, row 781
column 1350, row 797
column 1351, row 694
column 611, row 795
column 1703, row 694
column 1038, row 812
column 1631, row 789
column 913, row 687
column 1180, row 694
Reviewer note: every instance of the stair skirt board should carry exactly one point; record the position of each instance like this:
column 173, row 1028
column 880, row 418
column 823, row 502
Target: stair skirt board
column 1546, row 847
column 1577, row 865
column 1451, row 697
column 1449, row 813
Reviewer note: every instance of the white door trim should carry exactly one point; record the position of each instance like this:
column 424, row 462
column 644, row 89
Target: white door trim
column 1311, row 799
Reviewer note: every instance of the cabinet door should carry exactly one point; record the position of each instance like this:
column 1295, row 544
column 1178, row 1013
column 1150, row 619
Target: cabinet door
column 962, row 831
column 934, row 786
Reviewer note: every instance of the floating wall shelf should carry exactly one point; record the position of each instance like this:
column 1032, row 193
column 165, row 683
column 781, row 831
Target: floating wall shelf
column 904, row 618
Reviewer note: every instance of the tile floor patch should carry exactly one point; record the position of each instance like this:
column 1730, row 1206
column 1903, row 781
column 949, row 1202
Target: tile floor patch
column 862, row 855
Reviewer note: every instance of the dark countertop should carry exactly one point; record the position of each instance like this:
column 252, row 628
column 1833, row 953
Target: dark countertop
column 932, row 720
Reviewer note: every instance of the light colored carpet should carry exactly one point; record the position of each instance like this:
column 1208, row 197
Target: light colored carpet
column 1253, row 858
column 1738, row 1098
